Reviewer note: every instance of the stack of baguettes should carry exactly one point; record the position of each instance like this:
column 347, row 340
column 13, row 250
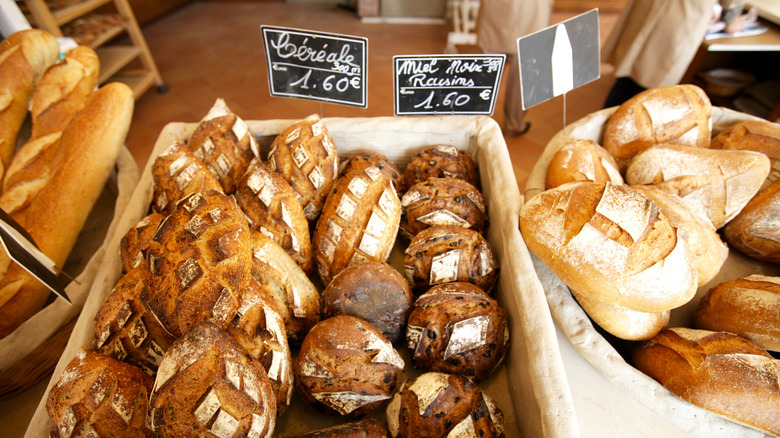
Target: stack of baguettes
column 51, row 182
column 632, row 224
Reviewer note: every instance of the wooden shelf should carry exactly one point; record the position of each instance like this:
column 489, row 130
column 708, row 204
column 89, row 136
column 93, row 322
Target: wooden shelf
column 70, row 13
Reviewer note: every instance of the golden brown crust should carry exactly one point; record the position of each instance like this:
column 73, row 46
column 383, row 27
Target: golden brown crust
column 622, row 322
column 582, row 160
column 135, row 242
column 753, row 135
column 176, row 174
column 442, row 201
column 363, row 159
column 755, row 231
column 368, row 428
column 441, row 161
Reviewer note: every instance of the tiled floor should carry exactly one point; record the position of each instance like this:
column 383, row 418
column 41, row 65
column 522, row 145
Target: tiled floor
column 207, row 50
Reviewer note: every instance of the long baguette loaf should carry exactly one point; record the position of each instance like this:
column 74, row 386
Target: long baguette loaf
column 24, row 57
column 87, row 154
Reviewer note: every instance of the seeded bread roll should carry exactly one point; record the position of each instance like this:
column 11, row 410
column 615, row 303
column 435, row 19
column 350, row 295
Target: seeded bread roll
column 305, row 155
column 621, row 322
column 97, row 395
column 442, row 201
column 437, row 404
column 441, row 161
column 135, row 242
column 359, row 223
column 755, row 231
column 368, row 428
column 457, row 328
column 207, row 385
column 611, row 244
column 677, row 114
column 176, row 174
column 582, row 160
column 717, row 182
column 445, row 254
column 223, row 142
column 748, row 306
column 718, row 371
column 373, row 291
column 753, row 135
column 363, row 159
column 346, row 367
column 273, row 209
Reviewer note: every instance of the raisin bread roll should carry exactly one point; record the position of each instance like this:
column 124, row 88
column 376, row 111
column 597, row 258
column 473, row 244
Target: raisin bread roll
column 359, row 223
column 679, row 114
column 176, row 174
column 755, row 231
column 718, row 371
column 135, row 242
column 441, row 161
column 457, row 328
column 97, row 395
column 582, row 160
column 223, row 141
column 207, row 385
column 747, row 306
column 621, row 322
column 200, row 263
column 368, row 428
column 305, row 155
column 346, row 367
column 447, row 253
column 437, row 404
column 753, row 135
column 610, row 243
column 273, row 209
column 373, row 291
column 126, row 330
column 363, row 159
column 442, row 201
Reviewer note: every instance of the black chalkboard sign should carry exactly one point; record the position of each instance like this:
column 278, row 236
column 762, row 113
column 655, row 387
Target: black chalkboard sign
column 316, row 65
column 447, row 84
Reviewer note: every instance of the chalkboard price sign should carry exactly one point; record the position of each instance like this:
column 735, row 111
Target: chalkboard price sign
column 316, row 65
column 447, row 84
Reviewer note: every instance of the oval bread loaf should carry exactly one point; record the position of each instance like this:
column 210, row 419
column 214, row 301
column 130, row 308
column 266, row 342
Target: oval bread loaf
column 176, row 174
column 753, row 135
column 361, row 160
column 755, row 231
column 582, row 160
column 441, row 161
column 135, row 242
column 624, row 323
column 442, row 201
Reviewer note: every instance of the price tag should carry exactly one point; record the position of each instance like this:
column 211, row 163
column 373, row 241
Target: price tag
column 316, row 65
column 447, row 84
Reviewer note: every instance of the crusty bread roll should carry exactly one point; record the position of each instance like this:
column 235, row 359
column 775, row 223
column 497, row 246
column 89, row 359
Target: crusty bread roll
column 717, row 182
column 363, row 159
column 624, row 323
column 582, row 160
column 753, row 135
column 178, row 173
column 441, row 161
column 718, row 371
column 610, row 243
column 442, row 201
column 707, row 250
column 86, row 157
column 748, row 306
column 135, row 242
column 672, row 114
column 24, row 57
column 755, row 231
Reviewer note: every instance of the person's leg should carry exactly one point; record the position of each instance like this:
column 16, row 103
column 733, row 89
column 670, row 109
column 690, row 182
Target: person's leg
column 514, row 114
column 624, row 89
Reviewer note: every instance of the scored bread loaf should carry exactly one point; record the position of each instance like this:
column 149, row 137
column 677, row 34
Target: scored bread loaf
column 363, row 159
column 755, row 231
column 753, row 135
column 624, row 323
column 441, row 161
column 135, row 242
column 442, row 201
column 582, row 160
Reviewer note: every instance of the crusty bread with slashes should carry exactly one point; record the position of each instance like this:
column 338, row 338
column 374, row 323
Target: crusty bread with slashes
column 176, row 174
column 582, row 160
column 755, row 231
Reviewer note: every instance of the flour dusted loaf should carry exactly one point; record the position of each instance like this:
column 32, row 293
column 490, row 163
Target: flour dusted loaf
column 364, row 159
column 622, row 322
column 223, row 141
column 755, row 231
column 99, row 396
column 306, row 156
column 176, row 174
column 346, row 367
column 374, row 291
column 753, row 135
column 207, row 385
column 610, row 243
column 135, row 242
column 748, row 306
column 367, row 428
column 447, row 253
column 679, row 114
column 442, row 201
column 582, row 160
column 718, row 371
column 272, row 208
column 359, row 223
column 439, row 404
column 457, row 328
column 441, row 161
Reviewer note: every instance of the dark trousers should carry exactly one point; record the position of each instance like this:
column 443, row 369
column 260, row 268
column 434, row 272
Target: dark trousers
column 624, row 89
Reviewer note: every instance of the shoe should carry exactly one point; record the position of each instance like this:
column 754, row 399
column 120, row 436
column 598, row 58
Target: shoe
column 518, row 132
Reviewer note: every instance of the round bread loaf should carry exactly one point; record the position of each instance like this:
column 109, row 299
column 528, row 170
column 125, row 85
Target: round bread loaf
column 373, row 291
column 718, row 371
column 631, row 325
column 442, row 201
column 273, row 209
column 176, row 174
column 135, row 242
column 200, row 263
column 611, row 244
column 346, row 367
column 457, row 328
column 207, row 385
column 305, row 155
column 359, row 223
column 755, row 231
column 97, row 395
column 748, row 306
column 441, row 161
column 436, row 404
column 582, row 160
column 223, row 141
column 125, row 329
column 447, row 253
column 364, row 159
column 368, row 428
column 753, row 135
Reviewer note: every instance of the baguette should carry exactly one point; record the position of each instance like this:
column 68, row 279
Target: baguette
column 87, row 154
